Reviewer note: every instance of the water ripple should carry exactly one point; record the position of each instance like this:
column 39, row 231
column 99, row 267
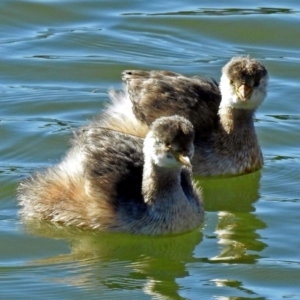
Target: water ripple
column 223, row 12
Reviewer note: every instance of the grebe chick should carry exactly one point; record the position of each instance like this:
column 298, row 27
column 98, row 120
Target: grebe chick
column 225, row 138
column 117, row 182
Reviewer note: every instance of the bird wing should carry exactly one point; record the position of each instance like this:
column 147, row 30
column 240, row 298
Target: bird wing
column 162, row 93
column 114, row 164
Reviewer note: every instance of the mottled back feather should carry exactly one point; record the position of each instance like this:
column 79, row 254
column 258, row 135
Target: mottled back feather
column 162, row 93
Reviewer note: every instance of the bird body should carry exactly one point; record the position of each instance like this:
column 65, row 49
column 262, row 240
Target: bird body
column 117, row 182
column 225, row 137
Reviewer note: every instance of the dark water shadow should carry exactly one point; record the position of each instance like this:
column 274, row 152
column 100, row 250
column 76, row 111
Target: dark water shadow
column 217, row 12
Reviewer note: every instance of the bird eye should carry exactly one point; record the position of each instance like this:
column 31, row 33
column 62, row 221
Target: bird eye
column 256, row 83
column 231, row 82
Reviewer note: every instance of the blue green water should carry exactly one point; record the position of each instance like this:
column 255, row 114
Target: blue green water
column 59, row 58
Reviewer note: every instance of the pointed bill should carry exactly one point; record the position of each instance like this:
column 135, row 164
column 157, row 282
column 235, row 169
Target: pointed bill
column 185, row 160
column 244, row 92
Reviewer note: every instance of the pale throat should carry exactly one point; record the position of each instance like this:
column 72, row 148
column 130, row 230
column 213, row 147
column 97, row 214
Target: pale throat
column 232, row 118
column 157, row 179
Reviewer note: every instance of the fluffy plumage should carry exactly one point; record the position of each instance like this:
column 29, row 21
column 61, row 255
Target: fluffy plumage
column 117, row 182
column 225, row 142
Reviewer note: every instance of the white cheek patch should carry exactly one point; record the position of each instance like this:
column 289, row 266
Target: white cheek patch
column 160, row 158
column 166, row 160
column 230, row 99
column 260, row 93
column 227, row 91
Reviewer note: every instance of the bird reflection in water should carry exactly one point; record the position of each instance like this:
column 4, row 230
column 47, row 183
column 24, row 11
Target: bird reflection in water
column 157, row 266
column 116, row 261
column 237, row 224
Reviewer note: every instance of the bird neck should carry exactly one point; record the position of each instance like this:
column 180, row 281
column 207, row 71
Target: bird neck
column 232, row 119
column 160, row 183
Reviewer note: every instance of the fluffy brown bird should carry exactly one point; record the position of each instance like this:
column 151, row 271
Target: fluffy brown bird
column 117, row 182
column 225, row 138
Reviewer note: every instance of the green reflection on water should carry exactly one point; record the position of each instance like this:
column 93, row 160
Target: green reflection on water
column 154, row 264
column 237, row 225
column 122, row 261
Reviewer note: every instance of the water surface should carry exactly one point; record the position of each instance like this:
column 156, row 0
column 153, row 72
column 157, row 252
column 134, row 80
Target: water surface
column 59, row 58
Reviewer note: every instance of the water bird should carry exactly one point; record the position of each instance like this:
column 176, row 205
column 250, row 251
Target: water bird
column 118, row 182
column 226, row 143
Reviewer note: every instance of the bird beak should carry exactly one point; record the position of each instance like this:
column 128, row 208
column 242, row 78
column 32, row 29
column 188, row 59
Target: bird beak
column 244, row 92
column 185, row 160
